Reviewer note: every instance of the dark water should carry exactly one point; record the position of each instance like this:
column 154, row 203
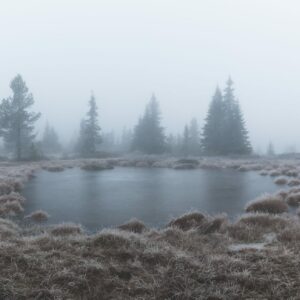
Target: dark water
column 111, row 197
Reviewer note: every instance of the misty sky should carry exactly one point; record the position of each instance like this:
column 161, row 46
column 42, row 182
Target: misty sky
column 180, row 49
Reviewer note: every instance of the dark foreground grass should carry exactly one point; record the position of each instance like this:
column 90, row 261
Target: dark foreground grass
column 189, row 259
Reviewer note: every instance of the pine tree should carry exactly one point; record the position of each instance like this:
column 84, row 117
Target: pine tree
column 195, row 142
column 270, row 150
column 148, row 134
column 235, row 134
column 90, row 137
column 17, row 121
column 212, row 137
column 186, row 141
column 50, row 142
column 224, row 132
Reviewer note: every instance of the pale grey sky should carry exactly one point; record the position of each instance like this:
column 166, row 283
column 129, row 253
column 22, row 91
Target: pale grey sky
column 124, row 50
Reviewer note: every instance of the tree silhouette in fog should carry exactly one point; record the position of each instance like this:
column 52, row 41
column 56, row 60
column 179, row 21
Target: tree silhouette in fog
column 224, row 131
column 17, row 121
column 148, row 133
column 89, row 136
column 50, row 141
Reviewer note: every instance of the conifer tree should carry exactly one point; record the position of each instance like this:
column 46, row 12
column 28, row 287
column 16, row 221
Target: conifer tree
column 17, row 120
column 195, row 143
column 224, row 132
column 89, row 137
column 212, row 136
column 50, row 142
column 148, row 134
column 186, row 141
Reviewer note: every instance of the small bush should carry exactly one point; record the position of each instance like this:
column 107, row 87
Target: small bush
column 268, row 204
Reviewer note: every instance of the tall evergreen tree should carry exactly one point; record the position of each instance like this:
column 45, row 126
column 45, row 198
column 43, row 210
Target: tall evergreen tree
column 224, row 132
column 195, row 142
column 17, row 121
column 236, row 139
column 90, row 136
column 212, row 136
column 148, row 134
column 186, row 141
column 50, row 141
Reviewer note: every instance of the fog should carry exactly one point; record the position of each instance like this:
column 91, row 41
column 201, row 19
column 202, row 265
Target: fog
column 180, row 50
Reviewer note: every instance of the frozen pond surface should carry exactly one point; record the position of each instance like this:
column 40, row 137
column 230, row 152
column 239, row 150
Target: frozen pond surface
column 111, row 197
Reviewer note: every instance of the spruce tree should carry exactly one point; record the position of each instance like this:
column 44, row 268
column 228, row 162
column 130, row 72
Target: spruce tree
column 224, row 132
column 50, row 141
column 89, row 137
column 148, row 134
column 195, row 143
column 186, row 141
column 235, row 134
column 17, row 120
column 212, row 136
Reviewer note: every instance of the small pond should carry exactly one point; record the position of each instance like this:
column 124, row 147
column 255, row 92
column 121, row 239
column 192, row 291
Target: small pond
column 111, row 197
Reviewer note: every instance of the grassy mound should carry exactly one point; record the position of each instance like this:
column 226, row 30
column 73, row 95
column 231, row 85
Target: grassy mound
column 268, row 204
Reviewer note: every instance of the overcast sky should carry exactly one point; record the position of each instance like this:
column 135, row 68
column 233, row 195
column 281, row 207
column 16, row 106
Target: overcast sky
column 180, row 49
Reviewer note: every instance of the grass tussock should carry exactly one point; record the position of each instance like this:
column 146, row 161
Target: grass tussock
column 96, row 165
column 133, row 225
column 294, row 182
column 293, row 199
column 65, row 229
column 188, row 221
column 38, row 216
column 281, row 181
column 272, row 204
column 53, row 168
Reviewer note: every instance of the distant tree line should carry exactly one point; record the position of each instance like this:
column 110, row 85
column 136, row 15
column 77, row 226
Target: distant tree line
column 224, row 131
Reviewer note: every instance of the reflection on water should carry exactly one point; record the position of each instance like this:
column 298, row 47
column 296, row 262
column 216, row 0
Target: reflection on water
column 111, row 197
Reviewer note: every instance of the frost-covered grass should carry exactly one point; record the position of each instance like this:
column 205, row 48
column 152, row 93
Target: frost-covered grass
column 63, row 262
column 195, row 256
column 272, row 204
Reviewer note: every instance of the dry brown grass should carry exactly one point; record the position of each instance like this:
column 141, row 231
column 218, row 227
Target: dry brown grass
column 38, row 216
column 267, row 204
column 133, row 225
column 170, row 263
column 281, row 181
column 188, row 221
column 96, row 165
column 66, row 229
column 293, row 199
column 294, row 182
